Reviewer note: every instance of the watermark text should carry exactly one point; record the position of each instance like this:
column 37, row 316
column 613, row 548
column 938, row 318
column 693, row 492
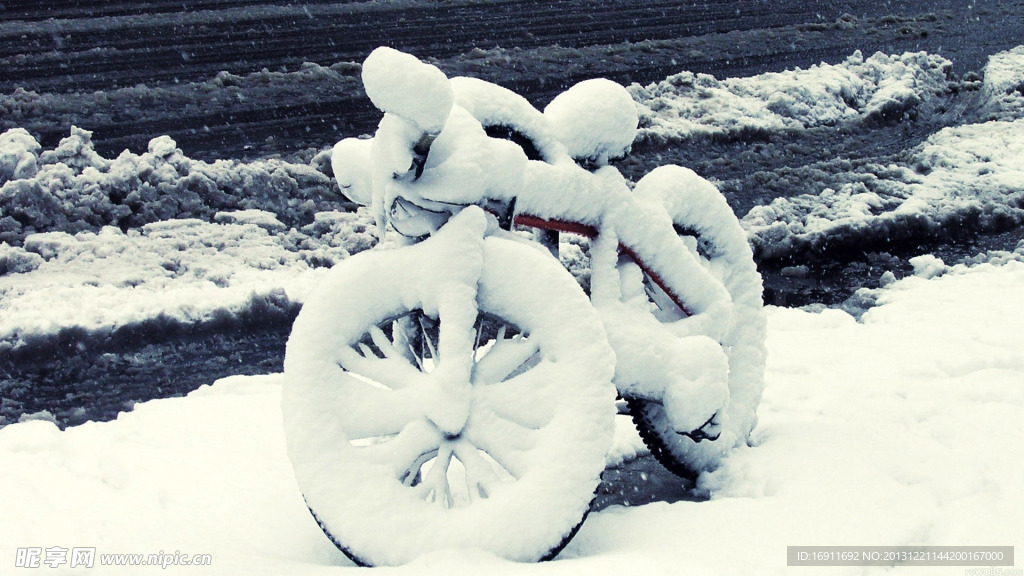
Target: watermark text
column 991, row 556
column 87, row 557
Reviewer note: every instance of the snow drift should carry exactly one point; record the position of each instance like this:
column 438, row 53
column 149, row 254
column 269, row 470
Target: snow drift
column 72, row 188
column 688, row 106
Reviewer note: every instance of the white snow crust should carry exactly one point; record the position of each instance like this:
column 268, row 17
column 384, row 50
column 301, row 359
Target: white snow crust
column 897, row 430
column 971, row 172
column 690, row 105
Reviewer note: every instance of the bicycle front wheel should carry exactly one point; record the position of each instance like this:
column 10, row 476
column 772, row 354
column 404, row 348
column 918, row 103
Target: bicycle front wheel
column 422, row 415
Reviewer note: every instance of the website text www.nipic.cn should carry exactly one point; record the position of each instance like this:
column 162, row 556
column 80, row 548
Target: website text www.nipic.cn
column 87, row 557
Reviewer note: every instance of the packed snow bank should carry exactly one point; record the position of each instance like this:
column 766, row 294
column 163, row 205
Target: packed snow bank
column 1004, row 85
column 72, row 188
column 879, row 88
column 187, row 270
column 100, row 244
column 960, row 180
column 964, row 178
column 893, row 431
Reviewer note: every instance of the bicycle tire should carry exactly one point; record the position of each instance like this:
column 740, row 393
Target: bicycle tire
column 543, row 427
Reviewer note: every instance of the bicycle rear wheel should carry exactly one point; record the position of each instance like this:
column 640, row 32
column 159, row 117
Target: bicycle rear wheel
column 703, row 219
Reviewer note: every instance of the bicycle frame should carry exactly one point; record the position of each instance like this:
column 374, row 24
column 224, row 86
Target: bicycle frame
column 601, row 204
column 562, row 196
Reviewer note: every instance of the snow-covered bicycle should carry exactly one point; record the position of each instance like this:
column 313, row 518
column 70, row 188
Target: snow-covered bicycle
column 458, row 389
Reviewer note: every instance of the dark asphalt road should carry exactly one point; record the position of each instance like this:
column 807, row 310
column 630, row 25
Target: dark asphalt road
column 87, row 46
column 131, row 71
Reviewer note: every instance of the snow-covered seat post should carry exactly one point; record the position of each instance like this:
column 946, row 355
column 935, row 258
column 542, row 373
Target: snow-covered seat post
column 596, row 120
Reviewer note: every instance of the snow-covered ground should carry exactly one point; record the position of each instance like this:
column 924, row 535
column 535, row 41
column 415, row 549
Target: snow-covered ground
column 900, row 429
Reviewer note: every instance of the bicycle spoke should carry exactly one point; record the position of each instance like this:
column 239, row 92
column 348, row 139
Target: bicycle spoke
column 663, row 308
column 434, row 488
column 412, row 476
column 503, row 440
column 383, row 343
column 394, row 372
column 401, row 331
column 481, row 476
column 429, row 337
column 526, row 399
column 503, row 359
column 401, row 453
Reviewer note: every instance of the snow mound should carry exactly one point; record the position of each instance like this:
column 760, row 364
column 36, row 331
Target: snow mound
column 72, row 188
column 927, row 266
column 261, row 218
column 882, row 87
column 997, row 257
column 185, row 270
column 965, row 176
column 1003, row 87
column 19, row 155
